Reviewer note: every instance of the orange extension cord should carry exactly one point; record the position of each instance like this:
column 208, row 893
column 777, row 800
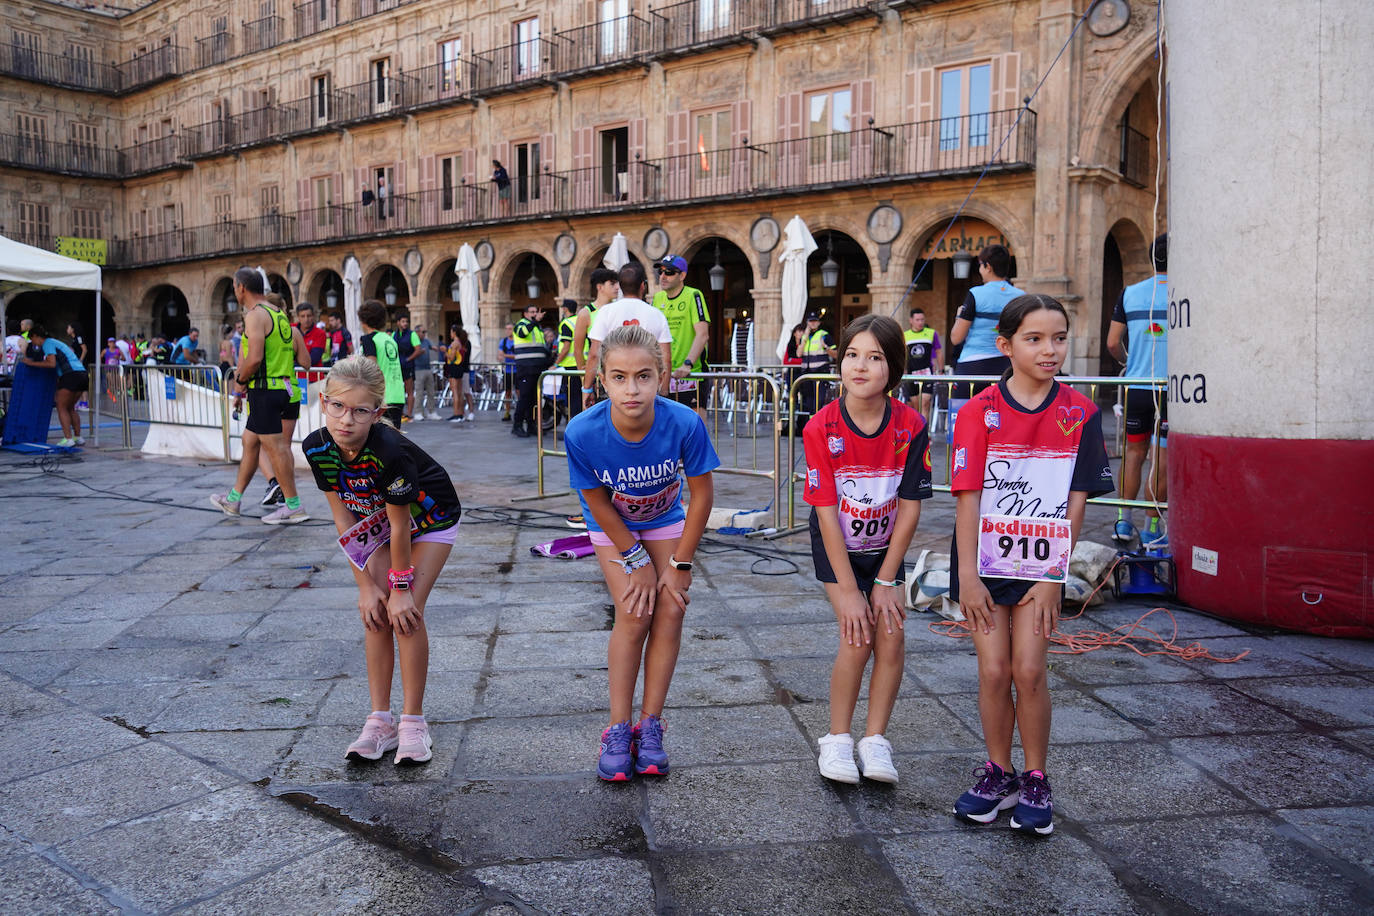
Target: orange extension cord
column 1128, row 635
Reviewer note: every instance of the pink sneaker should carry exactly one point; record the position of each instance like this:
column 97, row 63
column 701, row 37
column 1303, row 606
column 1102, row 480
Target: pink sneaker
column 415, row 743
column 378, row 737
column 286, row 516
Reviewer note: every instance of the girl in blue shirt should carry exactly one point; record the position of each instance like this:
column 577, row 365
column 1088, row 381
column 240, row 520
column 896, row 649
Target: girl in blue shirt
column 627, row 457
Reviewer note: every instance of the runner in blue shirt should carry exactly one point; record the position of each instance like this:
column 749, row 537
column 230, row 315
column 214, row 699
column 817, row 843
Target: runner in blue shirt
column 975, row 326
column 184, row 353
column 72, row 380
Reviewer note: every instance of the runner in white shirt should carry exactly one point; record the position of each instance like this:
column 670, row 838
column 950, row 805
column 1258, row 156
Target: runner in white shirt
column 628, row 310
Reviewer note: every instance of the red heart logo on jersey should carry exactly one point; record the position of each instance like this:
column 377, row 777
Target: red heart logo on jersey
column 631, row 321
column 1070, row 418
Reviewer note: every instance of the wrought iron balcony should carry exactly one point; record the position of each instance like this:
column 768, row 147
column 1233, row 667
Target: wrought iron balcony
column 363, row 8
column 77, row 159
column 161, row 63
column 252, row 128
column 214, row 48
column 604, row 45
column 519, row 64
column 789, row 15
column 444, row 82
column 315, row 16
column 264, row 33
column 154, row 155
column 1135, row 156
column 58, row 69
column 692, row 23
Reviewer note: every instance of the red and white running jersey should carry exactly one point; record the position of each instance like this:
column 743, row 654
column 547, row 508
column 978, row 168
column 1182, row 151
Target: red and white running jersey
column 1026, row 461
column 865, row 475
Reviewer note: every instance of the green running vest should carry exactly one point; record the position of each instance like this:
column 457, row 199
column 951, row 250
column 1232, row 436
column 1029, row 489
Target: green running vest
column 389, row 361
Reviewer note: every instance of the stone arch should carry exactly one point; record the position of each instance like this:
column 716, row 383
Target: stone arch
column 1134, row 245
column 168, row 311
column 1132, row 67
column 507, row 265
column 436, row 280
column 590, row 252
column 907, row 255
column 321, row 281
column 375, row 278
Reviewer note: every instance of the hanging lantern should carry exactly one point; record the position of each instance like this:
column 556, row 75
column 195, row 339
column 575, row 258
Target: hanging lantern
column 963, row 263
column 532, row 287
column 389, row 294
column 830, row 269
column 717, row 273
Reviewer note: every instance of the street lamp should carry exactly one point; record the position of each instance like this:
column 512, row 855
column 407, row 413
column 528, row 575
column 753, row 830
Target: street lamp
column 532, row 287
column 830, row 270
column 963, row 262
column 331, row 297
column 389, row 294
column 230, row 303
column 717, row 273
column 171, row 306
column 455, row 290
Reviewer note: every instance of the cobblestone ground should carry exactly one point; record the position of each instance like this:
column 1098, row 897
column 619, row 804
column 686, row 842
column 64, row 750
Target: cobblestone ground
column 179, row 688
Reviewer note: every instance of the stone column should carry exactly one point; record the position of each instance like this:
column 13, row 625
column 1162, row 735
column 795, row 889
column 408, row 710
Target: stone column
column 767, row 313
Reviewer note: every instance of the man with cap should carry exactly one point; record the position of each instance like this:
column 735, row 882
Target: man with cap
column 817, row 352
column 688, row 321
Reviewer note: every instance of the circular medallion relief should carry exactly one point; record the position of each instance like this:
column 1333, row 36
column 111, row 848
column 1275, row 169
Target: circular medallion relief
column 655, row 243
column 414, row 261
column 884, row 223
column 294, row 272
column 764, row 235
column 564, row 249
column 1108, row 17
column 485, row 254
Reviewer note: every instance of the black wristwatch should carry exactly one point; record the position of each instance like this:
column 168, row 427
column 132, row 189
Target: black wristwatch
column 678, row 564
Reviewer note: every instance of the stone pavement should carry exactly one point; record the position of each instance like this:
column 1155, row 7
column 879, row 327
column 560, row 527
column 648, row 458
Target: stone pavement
column 179, row 688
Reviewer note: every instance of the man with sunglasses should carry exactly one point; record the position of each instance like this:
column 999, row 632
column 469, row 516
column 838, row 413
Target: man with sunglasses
column 690, row 324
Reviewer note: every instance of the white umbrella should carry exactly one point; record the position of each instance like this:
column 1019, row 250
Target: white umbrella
column 467, row 269
column 353, row 297
column 797, row 245
column 618, row 255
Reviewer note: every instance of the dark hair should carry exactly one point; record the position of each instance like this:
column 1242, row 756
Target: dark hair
column 76, row 328
column 602, row 275
column 193, row 331
column 37, row 330
column 998, row 258
column 792, row 339
column 889, row 336
column 1015, row 312
column 632, row 279
column 1159, row 252
column 916, row 311
column 302, row 306
column 250, row 280
column 570, row 305
column 373, row 314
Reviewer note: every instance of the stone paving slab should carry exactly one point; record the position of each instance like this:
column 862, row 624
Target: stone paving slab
column 183, row 686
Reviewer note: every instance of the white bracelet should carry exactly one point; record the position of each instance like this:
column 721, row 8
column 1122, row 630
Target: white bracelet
column 895, row 583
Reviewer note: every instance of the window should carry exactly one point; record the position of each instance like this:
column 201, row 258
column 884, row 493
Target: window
column 527, row 46
column 324, row 200
column 140, row 226
column 33, row 130
column 83, row 140
column 448, row 178
column 450, row 76
column 615, row 155
column 34, row 222
column 27, row 47
column 82, row 61
column 527, row 167
column 167, row 128
column 381, row 77
column 615, row 27
column 713, row 14
column 141, row 134
column 965, row 99
column 269, row 199
column 86, row 223
column 167, row 218
column 223, row 207
column 319, row 98
column 383, row 182
column 712, row 136
column 827, row 116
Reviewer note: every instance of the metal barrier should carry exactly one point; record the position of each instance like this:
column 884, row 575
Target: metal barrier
column 823, row 386
column 179, row 396
column 742, row 406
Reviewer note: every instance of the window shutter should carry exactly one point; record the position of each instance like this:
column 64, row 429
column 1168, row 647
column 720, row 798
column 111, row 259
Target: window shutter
column 361, row 183
column 790, row 131
column 1006, row 97
column 399, row 170
column 922, row 155
column 740, row 116
column 861, row 140
column 638, row 174
column 546, row 152
column 584, row 181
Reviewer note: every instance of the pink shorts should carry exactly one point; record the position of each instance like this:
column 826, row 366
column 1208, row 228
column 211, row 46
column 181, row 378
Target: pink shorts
column 666, row 533
column 443, row 536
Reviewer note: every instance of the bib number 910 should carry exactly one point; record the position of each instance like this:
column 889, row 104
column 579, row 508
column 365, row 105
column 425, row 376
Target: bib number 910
column 1020, row 547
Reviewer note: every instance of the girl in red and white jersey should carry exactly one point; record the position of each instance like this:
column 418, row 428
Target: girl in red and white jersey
column 1028, row 453
column 868, row 467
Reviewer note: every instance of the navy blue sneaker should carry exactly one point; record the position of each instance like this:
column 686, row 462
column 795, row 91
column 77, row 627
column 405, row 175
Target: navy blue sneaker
column 1035, row 811
column 616, row 763
column 994, row 791
column 1123, row 532
column 650, row 758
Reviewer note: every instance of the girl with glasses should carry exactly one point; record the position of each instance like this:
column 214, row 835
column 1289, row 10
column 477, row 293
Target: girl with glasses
column 397, row 516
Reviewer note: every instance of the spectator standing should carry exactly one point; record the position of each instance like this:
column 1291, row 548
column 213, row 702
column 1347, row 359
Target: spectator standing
column 923, row 356
column 184, row 352
column 507, row 347
column 425, row 399
column 817, row 353
column 630, row 309
column 531, row 357
column 380, row 347
column 690, row 324
column 78, row 342
column 72, row 380
column 312, row 331
column 407, row 345
column 338, row 341
column 975, row 326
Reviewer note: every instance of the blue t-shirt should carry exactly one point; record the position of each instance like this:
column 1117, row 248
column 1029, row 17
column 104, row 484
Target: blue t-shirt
column 983, row 306
column 644, row 478
column 1144, row 309
column 183, row 346
column 67, row 361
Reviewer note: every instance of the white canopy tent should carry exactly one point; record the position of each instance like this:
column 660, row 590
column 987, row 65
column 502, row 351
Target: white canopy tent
column 24, row 268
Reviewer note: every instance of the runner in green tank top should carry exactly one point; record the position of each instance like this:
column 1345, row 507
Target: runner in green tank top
column 278, row 358
column 381, row 348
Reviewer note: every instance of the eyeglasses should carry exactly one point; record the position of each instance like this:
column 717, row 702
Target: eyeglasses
column 668, row 271
column 338, row 409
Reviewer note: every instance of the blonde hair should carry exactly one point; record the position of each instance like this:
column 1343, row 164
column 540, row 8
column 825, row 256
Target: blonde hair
column 358, row 372
column 275, row 300
column 628, row 337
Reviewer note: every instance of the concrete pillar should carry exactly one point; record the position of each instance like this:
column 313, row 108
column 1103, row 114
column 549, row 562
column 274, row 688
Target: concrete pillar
column 767, row 325
column 1271, row 249
column 495, row 312
column 887, row 296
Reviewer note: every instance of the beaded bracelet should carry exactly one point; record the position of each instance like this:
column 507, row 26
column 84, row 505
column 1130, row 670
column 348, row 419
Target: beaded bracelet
column 634, row 558
column 400, row 580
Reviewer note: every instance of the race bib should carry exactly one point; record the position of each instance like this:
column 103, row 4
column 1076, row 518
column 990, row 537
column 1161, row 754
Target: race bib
column 361, row 541
column 678, row 385
column 643, row 508
column 1024, row 547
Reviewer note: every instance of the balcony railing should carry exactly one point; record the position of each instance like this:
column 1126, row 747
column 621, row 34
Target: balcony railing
column 785, row 14
column 153, row 155
column 63, row 158
column 376, row 98
column 694, row 22
column 161, row 63
column 315, row 16
column 252, row 128
column 264, row 33
column 523, row 62
column 215, row 48
column 875, row 155
column 444, row 82
column 58, row 69
column 610, row 43
column 1135, row 156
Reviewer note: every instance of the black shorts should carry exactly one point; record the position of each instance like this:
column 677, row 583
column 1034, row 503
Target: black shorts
column 291, row 411
column 510, row 377
column 394, row 413
column 452, row 371
column 911, row 389
column 1003, row 591
column 407, row 371
column 1140, row 413
column 74, row 381
column 864, row 565
column 266, row 407
column 687, row 398
column 993, row 365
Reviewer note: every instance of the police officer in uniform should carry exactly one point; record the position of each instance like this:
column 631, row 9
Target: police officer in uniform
column 531, row 357
column 817, row 352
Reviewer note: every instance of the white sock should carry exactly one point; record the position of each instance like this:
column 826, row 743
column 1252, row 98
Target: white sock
column 419, row 718
column 383, row 714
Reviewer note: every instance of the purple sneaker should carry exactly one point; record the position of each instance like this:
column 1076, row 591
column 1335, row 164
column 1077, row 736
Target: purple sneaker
column 1034, row 813
column 994, row 791
column 616, row 763
column 650, row 758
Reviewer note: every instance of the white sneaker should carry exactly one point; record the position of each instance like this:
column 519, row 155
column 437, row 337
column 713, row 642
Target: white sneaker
column 875, row 759
column 80, row 440
column 433, row 415
column 836, row 761
column 286, row 516
column 468, row 417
